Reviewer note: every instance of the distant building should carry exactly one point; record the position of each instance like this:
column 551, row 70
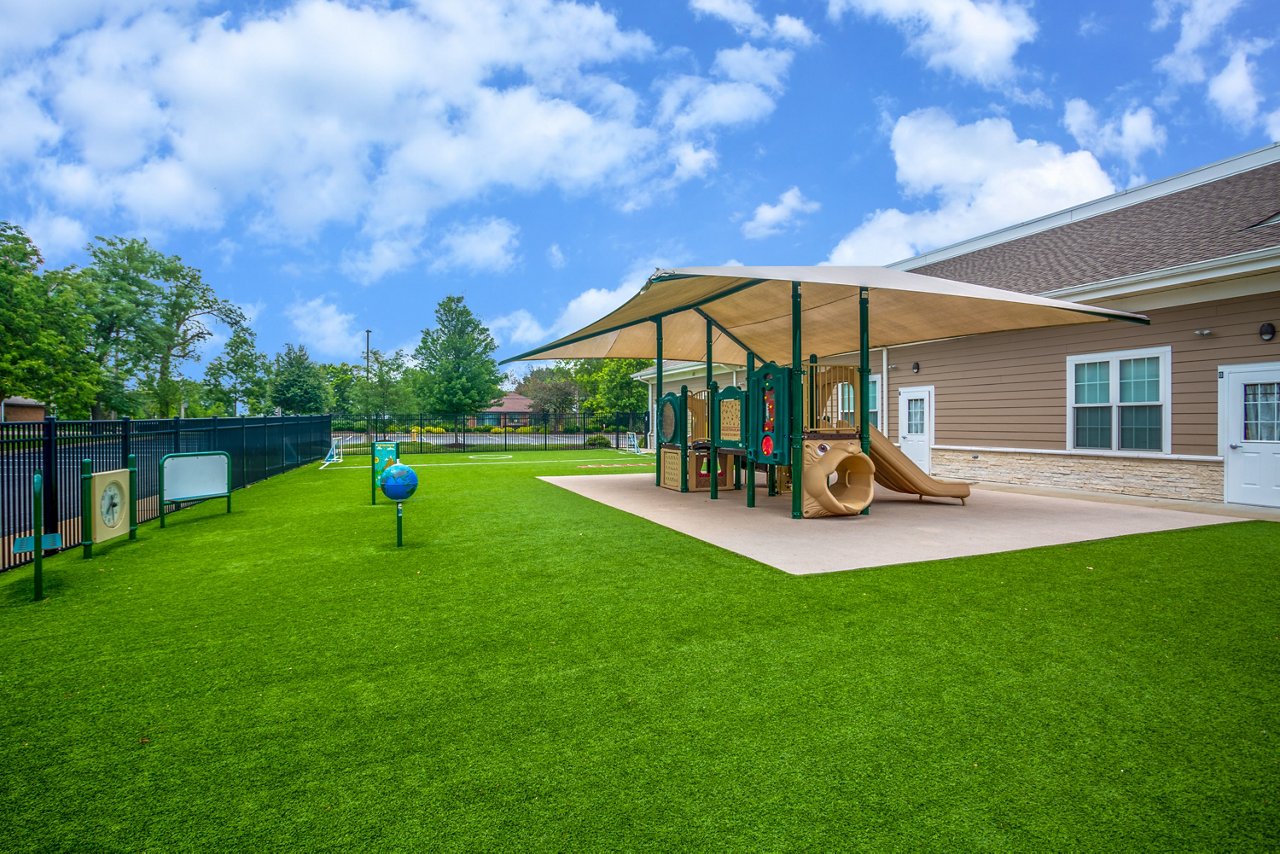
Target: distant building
column 514, row 410
column 21, row 409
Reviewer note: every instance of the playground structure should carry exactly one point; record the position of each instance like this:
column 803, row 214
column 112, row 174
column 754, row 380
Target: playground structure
column 711, row 438
column 794, row 419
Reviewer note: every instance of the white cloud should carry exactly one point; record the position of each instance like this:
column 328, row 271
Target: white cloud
column 769, row 220
column 1273, row 126
column 1233, row 92
column 57, row 236
column 692, row 161
column 747, row 64
column 980, row 177
column 319, row 112
column 746, row 20
column 976, row 39
column 486, row 246
column 1129, row 136
column 1199, row 23
column 325, row 329
column 555, row 256
column 520, row 327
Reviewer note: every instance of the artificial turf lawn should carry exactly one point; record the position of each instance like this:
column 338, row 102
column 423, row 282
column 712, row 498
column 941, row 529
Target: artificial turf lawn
column 534, row 670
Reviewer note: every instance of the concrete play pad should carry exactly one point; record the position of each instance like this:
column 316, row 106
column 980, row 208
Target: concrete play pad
column 900, row 529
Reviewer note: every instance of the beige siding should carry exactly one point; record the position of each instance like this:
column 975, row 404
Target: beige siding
column 1009, row 389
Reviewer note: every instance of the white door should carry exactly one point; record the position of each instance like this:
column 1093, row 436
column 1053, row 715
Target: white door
column 1251, row 440
column 915, row 423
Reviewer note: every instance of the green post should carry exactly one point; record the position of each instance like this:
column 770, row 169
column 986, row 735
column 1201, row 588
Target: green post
column 713, row 423
column 712, row 426
column 37, row 523
column 657, row 411
column 813, row 391
column 132, row 463
column 748, row 433
column 373, row 476
column 683, row 432
column 797, row 403
column 864, row 378
column 399, row 524
column 86, row 501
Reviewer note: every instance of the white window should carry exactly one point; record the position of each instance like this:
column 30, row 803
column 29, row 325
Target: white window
column 848, row 396
column 1119, row 401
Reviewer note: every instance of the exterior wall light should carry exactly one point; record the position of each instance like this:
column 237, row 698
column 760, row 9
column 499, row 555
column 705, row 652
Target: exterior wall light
column 1204, row 333
column 1267, row 331
column 915, row 366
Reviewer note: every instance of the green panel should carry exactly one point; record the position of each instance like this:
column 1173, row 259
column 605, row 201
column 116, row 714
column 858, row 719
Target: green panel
column 770, row 398
column 384, row 454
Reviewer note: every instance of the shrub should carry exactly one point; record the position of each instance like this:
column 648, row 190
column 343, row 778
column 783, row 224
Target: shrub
column 570, row 428
column 599, row 442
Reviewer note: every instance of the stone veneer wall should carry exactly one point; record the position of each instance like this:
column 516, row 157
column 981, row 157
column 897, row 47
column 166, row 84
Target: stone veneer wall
column 1192, row 480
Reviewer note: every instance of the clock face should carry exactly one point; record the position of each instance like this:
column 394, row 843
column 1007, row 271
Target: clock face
column 111, row 507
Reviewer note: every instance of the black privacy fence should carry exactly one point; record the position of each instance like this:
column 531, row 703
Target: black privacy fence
column 259, row 448
column 490, row 432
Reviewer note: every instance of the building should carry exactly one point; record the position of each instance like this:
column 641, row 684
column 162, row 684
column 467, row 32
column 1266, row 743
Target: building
column 514, row 410
column 21, row 409
column 1183, row 408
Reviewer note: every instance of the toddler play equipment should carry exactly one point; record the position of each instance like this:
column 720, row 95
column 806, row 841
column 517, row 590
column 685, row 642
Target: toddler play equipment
column 773, row 316
column 381, row 455
column 108, row 503
column 194, row 476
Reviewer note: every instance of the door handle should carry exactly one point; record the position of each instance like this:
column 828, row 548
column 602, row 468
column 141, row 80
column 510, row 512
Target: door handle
column 1233, row 446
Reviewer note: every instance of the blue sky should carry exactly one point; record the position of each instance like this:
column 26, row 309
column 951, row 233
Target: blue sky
column 335, row 166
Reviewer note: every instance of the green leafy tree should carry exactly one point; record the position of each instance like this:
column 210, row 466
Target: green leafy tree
column 298, row 384
column 609, row 386
column 240, row 375
column 456, row 370
column 185, row 305
column 342, row 379
column 43, row 330
column 386, row 391
column 552, row 389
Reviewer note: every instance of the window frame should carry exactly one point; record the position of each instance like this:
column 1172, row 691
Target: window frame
column 877, row 411
column 1113, row 359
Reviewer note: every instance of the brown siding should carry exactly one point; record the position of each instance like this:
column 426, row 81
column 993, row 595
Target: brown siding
column 1009, row 389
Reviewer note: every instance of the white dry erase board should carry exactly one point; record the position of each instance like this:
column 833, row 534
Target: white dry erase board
column 186, row 477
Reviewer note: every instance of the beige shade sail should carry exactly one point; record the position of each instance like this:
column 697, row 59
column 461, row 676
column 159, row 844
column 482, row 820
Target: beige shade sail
column 750, row 308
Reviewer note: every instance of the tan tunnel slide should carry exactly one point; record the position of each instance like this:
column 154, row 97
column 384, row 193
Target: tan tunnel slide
column 895, row 470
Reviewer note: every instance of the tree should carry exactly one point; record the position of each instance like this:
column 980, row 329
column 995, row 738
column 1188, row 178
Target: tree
column 552, row 389
column 456, row 371
column 609, row 386
column 342, row 379
column 298, row 384
column 241, row 374
column 386, row 390
column 43, row 330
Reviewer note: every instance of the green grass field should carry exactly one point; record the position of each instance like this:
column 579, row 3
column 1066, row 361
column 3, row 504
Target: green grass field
column 536, row 671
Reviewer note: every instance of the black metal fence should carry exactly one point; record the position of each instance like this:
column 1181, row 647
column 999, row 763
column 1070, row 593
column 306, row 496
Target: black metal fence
column 522, row 431
column 259, row 448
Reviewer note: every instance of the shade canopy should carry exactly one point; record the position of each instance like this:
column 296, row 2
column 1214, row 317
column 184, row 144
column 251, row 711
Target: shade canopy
column 750, row 308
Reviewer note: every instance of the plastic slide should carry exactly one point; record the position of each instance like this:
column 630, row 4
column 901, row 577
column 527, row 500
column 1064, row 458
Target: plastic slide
column 848, row 491
column 896, row 471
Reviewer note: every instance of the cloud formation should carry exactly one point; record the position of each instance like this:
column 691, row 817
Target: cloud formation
column 769, row 220
column 975, row 39
column 978, row 177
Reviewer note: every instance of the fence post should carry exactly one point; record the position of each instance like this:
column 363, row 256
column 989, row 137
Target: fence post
column 49, row 454
column 502, row 419
column 177, row 434
column 244, row 453
column 126, row 440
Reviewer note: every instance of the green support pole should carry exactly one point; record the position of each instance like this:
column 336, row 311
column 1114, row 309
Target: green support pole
column 797, row 404
column 133, row 493
column 86, row 500
column 712, row 422
column 657, row 411
column 683, row 432
column 373, row 479
column 864, row 378
column 399, row 524
column 37, row 523
column 750, row 436
column 813, row 391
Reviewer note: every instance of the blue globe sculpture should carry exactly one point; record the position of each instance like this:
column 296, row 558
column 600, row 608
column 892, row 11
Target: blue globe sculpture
column 398, row 482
